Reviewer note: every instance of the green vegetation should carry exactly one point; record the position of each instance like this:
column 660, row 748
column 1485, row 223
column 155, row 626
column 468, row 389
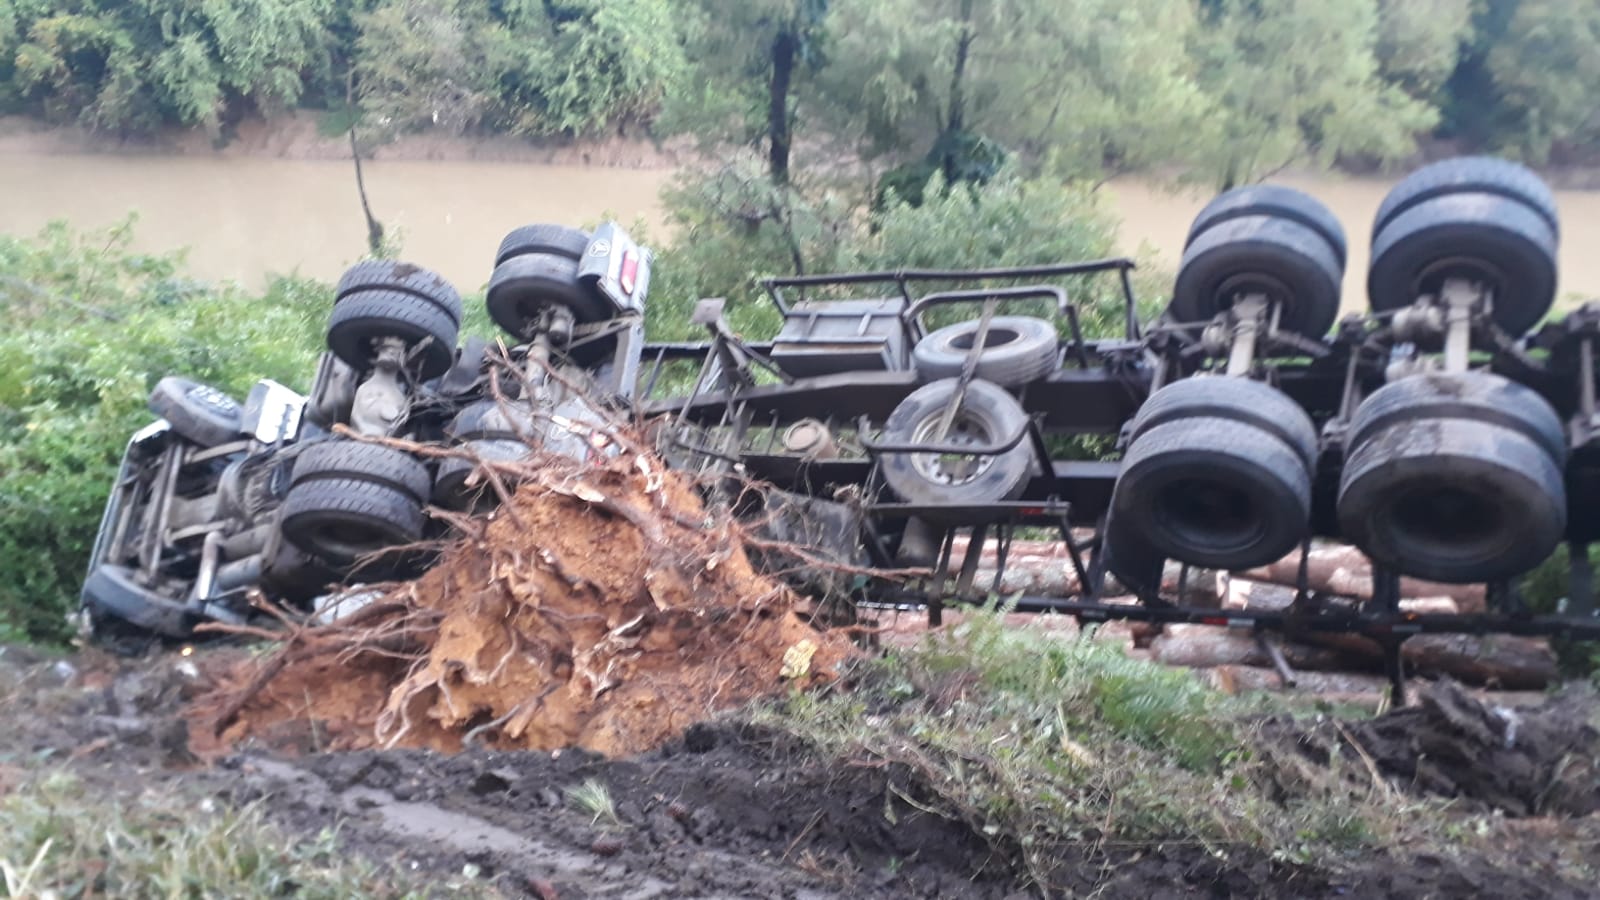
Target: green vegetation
column 1231, row 90
column 62, row 837
column 735, row 226
column 91, row 327
column 1060, row 750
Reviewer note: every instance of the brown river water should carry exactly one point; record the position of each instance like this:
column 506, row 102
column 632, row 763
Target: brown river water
column 245, row 217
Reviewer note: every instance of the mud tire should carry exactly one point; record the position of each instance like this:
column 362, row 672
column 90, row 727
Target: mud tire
column 1289, row 262
column 450, row 488
column 1481, row 396
column 393, row 275
column 1485, row 237
column 363, row 317
column 197, row 412
column 1278, row 202
column 555, row 240
column 524, row 286
column 1471, row 175
column 1214, row 493
column 1438, row 488
column 344, row 519
column 358, row 461
column 1236, row 399
column 1018, row 350
column 990, row 414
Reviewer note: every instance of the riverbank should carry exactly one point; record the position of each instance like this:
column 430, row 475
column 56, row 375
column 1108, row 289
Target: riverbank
column 298, row 135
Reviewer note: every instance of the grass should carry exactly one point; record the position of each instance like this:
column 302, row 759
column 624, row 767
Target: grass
column 594, row 799
column 63, row 838
column 1057, row 751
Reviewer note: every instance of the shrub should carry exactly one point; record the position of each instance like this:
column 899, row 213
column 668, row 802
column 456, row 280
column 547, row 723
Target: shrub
column 92, row 327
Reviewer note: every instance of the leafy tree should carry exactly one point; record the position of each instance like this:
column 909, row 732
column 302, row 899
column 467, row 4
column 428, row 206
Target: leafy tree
column 1090, row 83
column 1544, row 69
column 139, row 64
column 749, row 58
column 1420, row 41
column 92, row 326
column 422, row 62
column 1295, row 80
column 522, row 67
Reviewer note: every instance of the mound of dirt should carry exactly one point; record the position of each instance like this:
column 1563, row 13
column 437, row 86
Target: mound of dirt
column 601, row 607
column 1527, row 761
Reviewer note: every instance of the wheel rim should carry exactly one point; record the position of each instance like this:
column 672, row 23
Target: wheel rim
column 953, row 469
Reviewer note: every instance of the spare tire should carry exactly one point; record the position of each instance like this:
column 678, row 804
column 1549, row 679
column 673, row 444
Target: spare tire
column 1482, row 237
column 1294, row 266
column 363, row 317
column 1452, row 500
column 1471, row 175
column 988, row 415
column 393, row 275
column 555, row 240
column 1214, row 493
column 1278, row 202
column 524, row 286
column 1016, row 350
column 1236, row 399
column 197, row 412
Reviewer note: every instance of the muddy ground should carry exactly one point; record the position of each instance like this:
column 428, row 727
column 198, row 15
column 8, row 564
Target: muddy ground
column 733, row 811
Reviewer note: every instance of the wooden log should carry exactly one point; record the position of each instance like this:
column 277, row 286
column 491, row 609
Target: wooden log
column 1205, row 646
column 1503, row 661
column 1347, row 572
column 1241, row 593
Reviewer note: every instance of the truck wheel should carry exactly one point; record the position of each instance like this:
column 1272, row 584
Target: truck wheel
column 450, row 488
column 1483, row 237
column 1452, row 500
column 988, row 414
column 199, row 413
column 491, row 419
column 344, row 519
column 392, row 275
column 359, row 461
column 1278, row 202
column 555, row 240
column 1236, row 399
column 1017, row 350
column 1479, row 396
column 1471, row 175
column 1214, row 493
column 522, row 287
column 361, row 318
column 1292, row 264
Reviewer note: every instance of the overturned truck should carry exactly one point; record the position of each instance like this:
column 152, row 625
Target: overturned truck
column 1449, row 432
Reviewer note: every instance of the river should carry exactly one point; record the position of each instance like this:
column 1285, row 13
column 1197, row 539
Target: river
column 245, row 217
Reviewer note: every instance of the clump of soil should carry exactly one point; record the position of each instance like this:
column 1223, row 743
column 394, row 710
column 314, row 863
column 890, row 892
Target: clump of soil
column 1527, row 761
column 601, row 607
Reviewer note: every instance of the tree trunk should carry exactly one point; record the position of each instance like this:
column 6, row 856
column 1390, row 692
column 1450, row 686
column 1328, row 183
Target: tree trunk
column 785, row 47
column 1346, row 572
column 374, row 227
